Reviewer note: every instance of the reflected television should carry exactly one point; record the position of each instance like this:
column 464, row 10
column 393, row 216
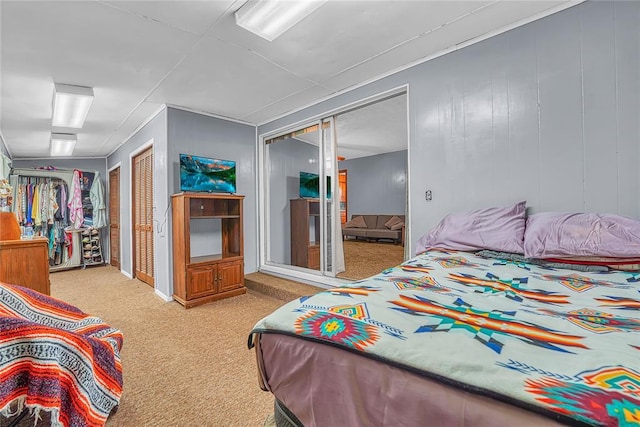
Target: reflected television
column 207, row 175
column 310, row 185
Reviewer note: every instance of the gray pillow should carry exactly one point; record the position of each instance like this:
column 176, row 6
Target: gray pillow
column 392, row 221
column 357, row 222
column 397, row 225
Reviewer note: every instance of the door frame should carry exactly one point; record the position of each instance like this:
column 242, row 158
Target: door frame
column 346, row 194
column 132, row 249
column 111, row 169
column 262, row 205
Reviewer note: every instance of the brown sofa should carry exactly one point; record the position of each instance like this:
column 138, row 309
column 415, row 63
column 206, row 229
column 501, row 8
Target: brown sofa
column 375, row 229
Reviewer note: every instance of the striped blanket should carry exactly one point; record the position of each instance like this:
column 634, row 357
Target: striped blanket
column 55, row 358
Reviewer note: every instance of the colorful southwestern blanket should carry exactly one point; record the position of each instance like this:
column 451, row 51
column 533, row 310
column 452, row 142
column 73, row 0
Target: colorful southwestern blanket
column 559, row 342
column 55, row 358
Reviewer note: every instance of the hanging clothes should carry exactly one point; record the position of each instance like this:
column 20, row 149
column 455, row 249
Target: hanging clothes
column 5, row 166
column 75, row 201
column 53, row 204
column 28, row 218
column 86, row 182
column 98, row 202
column 35, row 205
column 42, row 205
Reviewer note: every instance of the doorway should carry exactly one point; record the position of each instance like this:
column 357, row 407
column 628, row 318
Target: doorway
column 114, row 217
column 344, row 199
column 143, row 255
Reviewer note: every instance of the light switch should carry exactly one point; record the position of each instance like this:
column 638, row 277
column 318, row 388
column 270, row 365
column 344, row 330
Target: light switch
column 428, row 196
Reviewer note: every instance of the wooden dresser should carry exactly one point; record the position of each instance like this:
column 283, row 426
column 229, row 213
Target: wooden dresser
column 25, row 263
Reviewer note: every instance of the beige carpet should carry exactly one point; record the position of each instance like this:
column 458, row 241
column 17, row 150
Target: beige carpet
column 181, row 367
column 190, row 367
column 363, row 259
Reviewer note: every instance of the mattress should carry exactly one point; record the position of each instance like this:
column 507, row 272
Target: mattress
column 459, row 339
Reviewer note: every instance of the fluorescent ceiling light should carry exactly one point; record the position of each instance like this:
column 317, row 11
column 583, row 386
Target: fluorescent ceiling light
column 71, row 105
column 270, row 18
column 62, row 144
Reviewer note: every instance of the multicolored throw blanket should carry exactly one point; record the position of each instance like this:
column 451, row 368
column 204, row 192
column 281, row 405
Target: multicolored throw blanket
column 55, row 358
column 560, row 342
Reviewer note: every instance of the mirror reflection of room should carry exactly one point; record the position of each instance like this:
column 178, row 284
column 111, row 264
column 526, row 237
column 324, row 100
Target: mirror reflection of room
column 293, row 241
column 370, row 201
column 372, row 154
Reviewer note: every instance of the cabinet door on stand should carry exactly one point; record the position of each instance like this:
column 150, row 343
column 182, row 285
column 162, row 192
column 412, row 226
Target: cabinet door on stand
column 202, row 281
column 313, row 261
column 230, row 275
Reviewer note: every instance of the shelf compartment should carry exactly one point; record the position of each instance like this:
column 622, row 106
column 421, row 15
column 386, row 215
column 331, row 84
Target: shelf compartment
column 218, row 208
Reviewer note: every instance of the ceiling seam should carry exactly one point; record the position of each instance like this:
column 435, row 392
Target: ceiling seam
column 271, row 61
column 282, row 99
column 145, row 17
column 175, row 66
column 402, row 43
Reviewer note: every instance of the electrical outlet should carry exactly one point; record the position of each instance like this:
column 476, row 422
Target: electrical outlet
column 428, row 195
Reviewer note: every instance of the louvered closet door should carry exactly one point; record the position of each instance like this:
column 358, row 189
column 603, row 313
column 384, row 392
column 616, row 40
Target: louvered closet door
column 143, row 215
column 114, row 217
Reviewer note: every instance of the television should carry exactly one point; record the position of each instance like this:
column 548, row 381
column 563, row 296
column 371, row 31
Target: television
column 310, row 185
column 204, row 174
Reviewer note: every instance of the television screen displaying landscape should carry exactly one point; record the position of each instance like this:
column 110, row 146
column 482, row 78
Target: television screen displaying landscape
column 310, row 185
column 203, row 174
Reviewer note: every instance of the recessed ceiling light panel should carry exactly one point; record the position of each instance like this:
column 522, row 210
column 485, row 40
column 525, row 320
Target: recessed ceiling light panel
column 270, row 18
column 62, row 144
column 71, row 105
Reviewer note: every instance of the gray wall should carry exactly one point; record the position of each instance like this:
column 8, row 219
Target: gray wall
column 376, row 184
column 547, row 112
column 3, row 148
column 97, row 164
column 192, row 133
column 155, row 130
column 286, row 159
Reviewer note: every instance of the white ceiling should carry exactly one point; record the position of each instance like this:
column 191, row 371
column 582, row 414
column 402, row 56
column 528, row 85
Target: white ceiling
column 376, row 128
column 373, row 129
column 139, row 55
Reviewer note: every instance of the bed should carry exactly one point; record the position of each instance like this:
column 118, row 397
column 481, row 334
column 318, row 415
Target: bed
column 464, row 338
column 56, row 362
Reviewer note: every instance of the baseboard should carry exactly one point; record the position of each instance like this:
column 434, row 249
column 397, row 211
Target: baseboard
column 128, row 275
column 163, row 296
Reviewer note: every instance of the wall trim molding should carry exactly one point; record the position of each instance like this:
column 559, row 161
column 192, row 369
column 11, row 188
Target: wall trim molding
column 138, row 129
column 163, row 296
column 216, row 116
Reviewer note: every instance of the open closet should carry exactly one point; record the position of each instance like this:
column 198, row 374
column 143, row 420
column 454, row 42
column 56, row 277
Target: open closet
column 64, row 206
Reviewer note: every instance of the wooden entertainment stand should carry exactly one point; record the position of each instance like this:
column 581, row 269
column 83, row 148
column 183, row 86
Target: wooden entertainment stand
column 305, row 221
column 201, row 279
